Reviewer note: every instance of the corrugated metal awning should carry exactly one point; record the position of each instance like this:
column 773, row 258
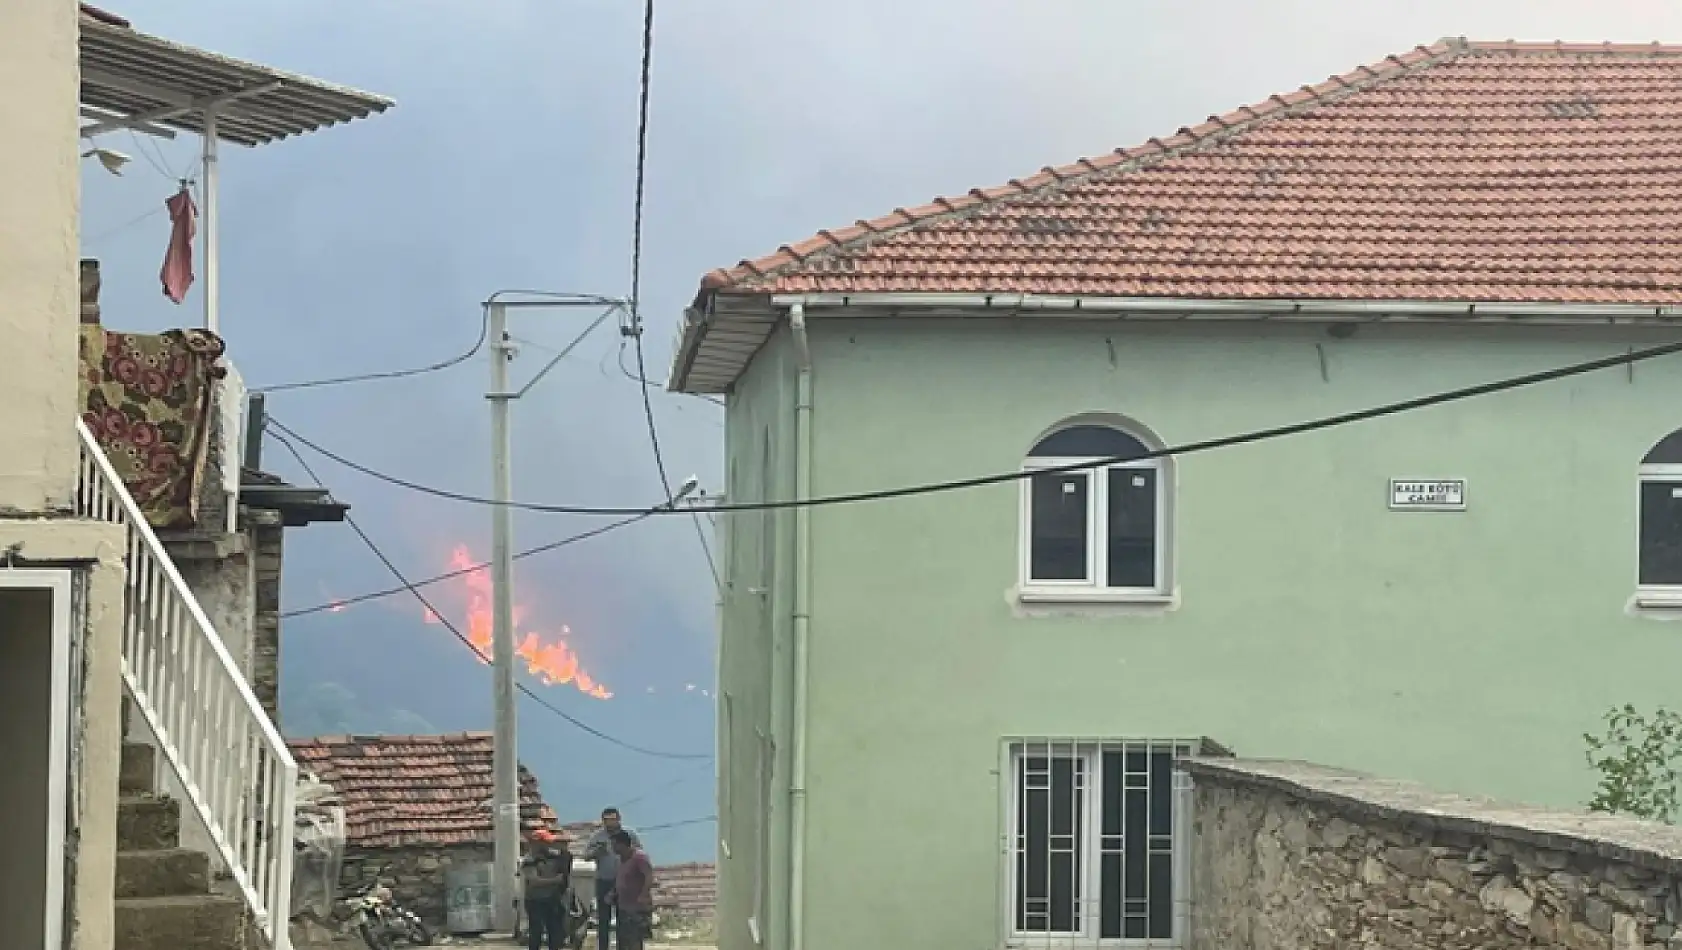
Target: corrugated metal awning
column 146, row 80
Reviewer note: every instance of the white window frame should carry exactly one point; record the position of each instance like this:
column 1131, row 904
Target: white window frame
column 59, row 583
column 1090, row 751
column 1093, row 589
column 1667, row 596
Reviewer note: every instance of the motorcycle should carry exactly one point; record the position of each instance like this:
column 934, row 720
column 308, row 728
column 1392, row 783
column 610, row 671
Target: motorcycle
column 382, row 922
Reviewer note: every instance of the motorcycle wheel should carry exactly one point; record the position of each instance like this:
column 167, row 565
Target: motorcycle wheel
column 376, row 939
column 419, row 935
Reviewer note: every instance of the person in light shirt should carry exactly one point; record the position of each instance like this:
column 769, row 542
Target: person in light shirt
column 599, row 848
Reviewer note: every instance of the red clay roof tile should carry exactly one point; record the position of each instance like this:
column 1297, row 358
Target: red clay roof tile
column 1495, row 172
column 415, row 791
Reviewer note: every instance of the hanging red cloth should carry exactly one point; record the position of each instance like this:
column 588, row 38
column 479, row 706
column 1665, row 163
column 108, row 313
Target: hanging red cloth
column 177, row 273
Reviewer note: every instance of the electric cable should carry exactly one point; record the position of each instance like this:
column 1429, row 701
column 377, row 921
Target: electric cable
column 688, row 776
column 153, row 158
column 112, row 231
column 636, row 326
column 625, row 371
column 929, row 488
column 484, row 328
column 563, row 542
column 677, row 824
column 462, row 572
column 456, row 632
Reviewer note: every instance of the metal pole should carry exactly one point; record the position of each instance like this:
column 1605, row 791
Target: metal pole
column 505, row 761
column 212, row 260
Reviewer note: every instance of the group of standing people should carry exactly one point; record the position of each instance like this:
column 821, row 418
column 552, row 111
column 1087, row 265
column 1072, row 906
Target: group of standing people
column 624, row 886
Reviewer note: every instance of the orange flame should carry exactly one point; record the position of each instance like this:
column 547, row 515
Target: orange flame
column 553, row 662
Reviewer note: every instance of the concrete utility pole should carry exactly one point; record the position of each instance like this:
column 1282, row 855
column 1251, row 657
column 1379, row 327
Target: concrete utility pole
column 505, row 762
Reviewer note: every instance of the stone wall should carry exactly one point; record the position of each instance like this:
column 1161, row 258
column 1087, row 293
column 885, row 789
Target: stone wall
column 267, row 536
column 1289, row 856
column 415, row 875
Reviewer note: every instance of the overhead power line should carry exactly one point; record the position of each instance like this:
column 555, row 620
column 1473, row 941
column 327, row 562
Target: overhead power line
column 462, row 572
column 484, row 323
column 678, row 824
column 636, row 326
column 456, row 632
column 625, row 371
column 688, row 776
column 1190, row 448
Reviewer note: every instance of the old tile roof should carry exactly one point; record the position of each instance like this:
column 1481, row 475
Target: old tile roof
column 688, row 890
column 415, row 791
column 1462, row 171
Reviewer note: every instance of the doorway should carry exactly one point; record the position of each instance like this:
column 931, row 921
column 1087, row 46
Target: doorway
column 35, row 633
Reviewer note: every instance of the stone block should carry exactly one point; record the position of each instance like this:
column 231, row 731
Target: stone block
column 178, row 872
column 148, row 824
column 139, row 769
column 200, row 922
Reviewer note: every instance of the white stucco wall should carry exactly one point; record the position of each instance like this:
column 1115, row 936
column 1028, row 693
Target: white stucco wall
column 39, row 286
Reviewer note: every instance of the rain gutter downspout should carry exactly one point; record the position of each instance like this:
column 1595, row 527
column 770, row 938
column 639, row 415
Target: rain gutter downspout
column 802, row 625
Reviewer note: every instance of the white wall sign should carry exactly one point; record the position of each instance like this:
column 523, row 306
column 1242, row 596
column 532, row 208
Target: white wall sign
column 1419, row 494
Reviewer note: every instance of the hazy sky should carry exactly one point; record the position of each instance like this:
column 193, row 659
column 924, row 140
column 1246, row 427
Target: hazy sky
column 508, row 163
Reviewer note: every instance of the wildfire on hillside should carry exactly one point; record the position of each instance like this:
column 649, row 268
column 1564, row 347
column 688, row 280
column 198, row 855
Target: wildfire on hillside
column 550, row 659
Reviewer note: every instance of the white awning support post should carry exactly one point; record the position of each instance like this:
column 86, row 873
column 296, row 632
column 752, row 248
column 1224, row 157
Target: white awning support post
column 212, row 262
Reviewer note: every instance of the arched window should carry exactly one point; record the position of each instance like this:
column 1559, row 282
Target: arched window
column 1659, row 564
column 1101, row 531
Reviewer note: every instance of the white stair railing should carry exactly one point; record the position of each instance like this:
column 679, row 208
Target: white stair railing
column 229, row 759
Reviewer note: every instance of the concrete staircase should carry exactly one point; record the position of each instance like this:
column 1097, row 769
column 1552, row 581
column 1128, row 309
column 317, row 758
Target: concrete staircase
column 165, row 897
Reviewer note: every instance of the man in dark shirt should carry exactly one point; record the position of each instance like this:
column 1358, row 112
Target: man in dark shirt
column 633, row 891
column 599, row 848
column 547, row 872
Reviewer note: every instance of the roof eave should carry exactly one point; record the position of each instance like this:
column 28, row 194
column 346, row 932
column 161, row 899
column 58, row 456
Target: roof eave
column 137, row 72
column 728, row 306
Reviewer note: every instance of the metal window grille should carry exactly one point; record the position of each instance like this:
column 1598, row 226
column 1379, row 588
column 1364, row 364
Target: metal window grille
column 1097, row 843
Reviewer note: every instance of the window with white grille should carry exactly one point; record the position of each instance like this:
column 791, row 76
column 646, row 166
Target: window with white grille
column 1097, row 833
column 1099, row 532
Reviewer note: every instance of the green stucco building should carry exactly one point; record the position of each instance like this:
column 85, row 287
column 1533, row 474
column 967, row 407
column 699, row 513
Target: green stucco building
column 948, row 720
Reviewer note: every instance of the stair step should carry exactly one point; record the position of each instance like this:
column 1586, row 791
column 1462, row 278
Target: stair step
column 139, row 769
column 201, row 922
column 148, row 824
column 178, row 872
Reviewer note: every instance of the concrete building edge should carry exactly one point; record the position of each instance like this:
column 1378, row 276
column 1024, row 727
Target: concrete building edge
column 95, row 550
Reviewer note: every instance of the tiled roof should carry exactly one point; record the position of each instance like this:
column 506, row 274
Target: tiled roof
column 1466, row 172
column 688, row 890
column 415, row 791
column 1462, row 171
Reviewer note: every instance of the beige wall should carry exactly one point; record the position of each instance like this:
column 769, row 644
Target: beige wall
column 97, row 549
column 40, row 191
